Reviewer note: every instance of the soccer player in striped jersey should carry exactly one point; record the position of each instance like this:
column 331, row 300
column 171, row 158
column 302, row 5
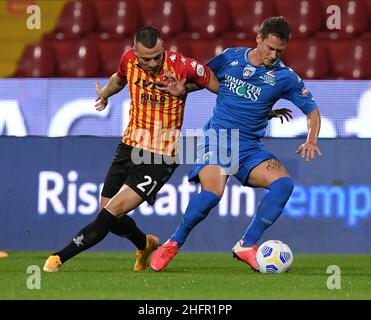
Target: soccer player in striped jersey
column 147, row 155
column 251, row 81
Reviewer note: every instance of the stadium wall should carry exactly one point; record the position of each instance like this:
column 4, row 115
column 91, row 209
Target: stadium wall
column 50, row 189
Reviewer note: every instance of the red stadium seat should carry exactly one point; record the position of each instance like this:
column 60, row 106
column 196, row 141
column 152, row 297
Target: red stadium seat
column 166, row 15
column 182, row 46
column 110, row 53
column 350, row 59
column 207, row 19
column 368, row 2
column 304, row 17
column 118, row 19
column 308, row 58
column 235, row 43
column 76, row 59
column 366, row 36
column 36, row 61
column 205, row 50
column 245, row 26
column 354, row 19
column 76, row 20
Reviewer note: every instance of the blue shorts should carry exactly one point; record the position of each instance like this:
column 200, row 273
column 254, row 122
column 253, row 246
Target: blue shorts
column 236, row 156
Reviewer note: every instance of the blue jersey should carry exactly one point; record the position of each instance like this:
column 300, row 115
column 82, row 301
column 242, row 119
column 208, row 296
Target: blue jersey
column 248, row 92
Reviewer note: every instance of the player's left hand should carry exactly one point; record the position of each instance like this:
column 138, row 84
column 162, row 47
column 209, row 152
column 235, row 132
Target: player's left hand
column 101, row 102
column 308, row 149
column 174, row 87
column 280, row 113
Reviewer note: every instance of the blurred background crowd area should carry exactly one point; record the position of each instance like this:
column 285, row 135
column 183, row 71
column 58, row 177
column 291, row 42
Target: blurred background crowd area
column 86, row 38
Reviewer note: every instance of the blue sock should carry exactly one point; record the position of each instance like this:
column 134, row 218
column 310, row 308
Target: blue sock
column 197, row 210
column 269, row 209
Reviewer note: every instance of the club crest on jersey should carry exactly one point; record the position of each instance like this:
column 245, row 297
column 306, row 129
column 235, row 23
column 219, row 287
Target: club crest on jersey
column 207, row 156
column 248, row 71
column 269, row 78
column 304, row 92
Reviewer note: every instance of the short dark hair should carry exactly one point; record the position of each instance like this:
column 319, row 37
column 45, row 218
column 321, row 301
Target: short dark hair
column 147, row 36
column 276, row 26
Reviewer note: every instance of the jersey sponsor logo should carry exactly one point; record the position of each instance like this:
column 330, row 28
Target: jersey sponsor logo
column 269, row 78
column 144, row 83
column 200, row 70
column 248, row 71
column 242, row 88
column 166, row 76
column 152, row 98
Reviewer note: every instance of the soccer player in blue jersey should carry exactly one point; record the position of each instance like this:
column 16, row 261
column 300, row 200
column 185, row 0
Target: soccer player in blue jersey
column 251, row 82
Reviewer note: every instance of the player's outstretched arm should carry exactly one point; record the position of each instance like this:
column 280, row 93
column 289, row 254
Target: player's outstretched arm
column 114, row 85
column 179, row 88
column 213, row 85
column 310, row 146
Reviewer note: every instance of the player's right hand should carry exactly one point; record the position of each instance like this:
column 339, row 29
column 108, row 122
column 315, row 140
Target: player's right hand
column 101, row 102
column 308, row 149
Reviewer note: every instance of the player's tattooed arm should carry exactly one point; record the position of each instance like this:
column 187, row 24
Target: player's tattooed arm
column 190, row 87
column 180, row 87
column 213, row 85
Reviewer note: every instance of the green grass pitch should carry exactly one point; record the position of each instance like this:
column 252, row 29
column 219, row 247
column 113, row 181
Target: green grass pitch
column 190, row 276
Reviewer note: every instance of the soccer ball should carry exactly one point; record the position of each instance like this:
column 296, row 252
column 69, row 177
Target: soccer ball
column 274, row 256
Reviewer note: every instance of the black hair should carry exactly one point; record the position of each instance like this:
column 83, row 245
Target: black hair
column 276, row 26
column 147, row 36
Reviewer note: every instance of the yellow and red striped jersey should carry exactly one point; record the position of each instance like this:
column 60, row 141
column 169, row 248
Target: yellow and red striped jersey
column 155, row 117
